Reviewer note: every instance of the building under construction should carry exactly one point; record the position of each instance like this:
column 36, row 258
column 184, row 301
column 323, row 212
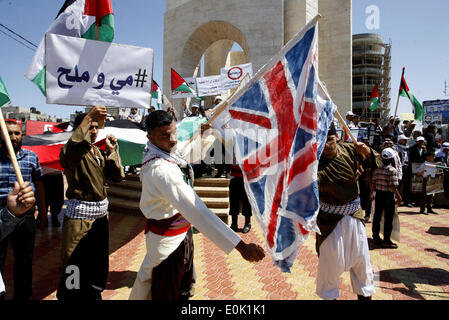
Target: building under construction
column 371, row 65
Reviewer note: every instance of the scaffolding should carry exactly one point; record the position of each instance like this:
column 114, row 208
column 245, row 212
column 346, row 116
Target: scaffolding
column 371, row 66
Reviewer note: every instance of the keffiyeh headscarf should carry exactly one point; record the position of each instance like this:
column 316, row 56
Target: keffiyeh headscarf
column 176, row 156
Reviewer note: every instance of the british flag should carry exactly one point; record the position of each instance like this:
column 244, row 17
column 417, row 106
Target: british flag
column 280, row 121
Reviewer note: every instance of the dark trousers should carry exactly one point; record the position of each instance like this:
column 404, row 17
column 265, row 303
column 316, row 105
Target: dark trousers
column 405, row 183
column 365, row 201
column 173, row 279
column 54, row 192
column 426, row 200
column 384, row 202
column 91, row 258
column 237, row 196
column 22, row 239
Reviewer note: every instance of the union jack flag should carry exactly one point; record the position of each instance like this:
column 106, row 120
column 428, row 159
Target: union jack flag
column 280, row 121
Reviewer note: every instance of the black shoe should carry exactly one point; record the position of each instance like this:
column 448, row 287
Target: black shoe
column 234, row 227
column 377, row 240
column 246, row 228
column 389, row 245
column 218, row 175
column 431, row 211
column 409, row 205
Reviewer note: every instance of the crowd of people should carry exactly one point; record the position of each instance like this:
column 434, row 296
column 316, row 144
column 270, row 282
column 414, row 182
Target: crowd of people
column 350, row 177
column 407, row 154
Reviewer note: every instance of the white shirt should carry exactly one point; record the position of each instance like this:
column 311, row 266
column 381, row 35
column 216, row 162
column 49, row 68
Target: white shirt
column 135, row 117
column 164, row 193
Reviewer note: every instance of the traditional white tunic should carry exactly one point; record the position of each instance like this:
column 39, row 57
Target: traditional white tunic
column 164, row 194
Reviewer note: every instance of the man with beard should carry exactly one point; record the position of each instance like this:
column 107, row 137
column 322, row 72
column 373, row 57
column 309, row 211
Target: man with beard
column 342, row 245
column 85, row 230
column 170, row 206
column 22, row 238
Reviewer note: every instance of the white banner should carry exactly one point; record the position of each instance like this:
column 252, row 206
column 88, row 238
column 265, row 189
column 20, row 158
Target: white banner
column 231, row 77
column 209, row 86
column 87, row 72
column 191, row 82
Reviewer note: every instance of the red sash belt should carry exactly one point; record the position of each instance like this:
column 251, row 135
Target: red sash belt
column 168, row 227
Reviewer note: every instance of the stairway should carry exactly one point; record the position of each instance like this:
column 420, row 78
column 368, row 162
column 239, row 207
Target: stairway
column 124, row 196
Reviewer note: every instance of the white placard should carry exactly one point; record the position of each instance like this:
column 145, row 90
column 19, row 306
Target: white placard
column 208, row 86
column 88, row 72
column 232, row 76
column 191, row 82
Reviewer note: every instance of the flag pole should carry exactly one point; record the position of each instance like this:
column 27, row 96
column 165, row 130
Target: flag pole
column 399, row 94
column 101, row 121
column 10, row 148
column 220, row 108
column 338, row 115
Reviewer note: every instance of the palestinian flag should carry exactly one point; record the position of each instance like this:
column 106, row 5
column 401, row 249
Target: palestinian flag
column 179, row 84
column 131, row 141
column 374, row 99
column 404, row 91
column 345, row 137
column 89, row 19
column 4, row 96
column 193, row 150
column 156, row 93
column 47, row 147
column 131, row 138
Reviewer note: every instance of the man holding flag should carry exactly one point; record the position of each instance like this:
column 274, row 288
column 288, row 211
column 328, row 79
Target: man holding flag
column 170, row 206
column 342, row 244
column 28, row 169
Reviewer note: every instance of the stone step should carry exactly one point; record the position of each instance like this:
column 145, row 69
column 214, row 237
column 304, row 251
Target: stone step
column 216, row 203
column 127, row 195
column 212, row 192
column 126, row 185
column 211, row 182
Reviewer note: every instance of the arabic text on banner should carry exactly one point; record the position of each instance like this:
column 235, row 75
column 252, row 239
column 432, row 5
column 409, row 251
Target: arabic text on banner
column 87, row 72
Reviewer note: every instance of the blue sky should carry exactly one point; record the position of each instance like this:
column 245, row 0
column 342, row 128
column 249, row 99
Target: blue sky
column 418, row 31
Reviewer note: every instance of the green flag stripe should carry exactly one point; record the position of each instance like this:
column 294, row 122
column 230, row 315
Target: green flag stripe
column 374, row 103
column 4, row 96
column 40, row 81
column 183, row 88
column 130, row 153
column 105, row 30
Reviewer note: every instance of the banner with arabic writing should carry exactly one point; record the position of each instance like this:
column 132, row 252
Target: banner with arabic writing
column 88, row 72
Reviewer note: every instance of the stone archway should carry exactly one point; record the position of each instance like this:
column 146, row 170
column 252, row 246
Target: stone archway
column 205, row 36
column 261, row 28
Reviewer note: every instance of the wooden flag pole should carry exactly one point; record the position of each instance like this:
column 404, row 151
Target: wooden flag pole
column 399, row 94
column 100, row 121
column 10, row 148
column 338, row 115
column 219, row 110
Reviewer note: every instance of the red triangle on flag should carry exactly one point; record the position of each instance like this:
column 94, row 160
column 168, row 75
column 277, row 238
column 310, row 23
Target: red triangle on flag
column 176, row 80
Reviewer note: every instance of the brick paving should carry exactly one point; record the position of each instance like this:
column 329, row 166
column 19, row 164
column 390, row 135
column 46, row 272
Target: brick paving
column 417, row 270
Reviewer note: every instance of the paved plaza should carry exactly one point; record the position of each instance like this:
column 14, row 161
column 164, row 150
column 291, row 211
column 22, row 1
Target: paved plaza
column 417, row 270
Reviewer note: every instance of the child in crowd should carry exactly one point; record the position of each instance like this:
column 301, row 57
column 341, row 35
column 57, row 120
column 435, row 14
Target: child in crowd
column 427, row 170
column 385, row 182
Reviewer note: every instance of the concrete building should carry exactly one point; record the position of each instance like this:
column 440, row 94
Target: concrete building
column 23, row 114
column 371, row 65
column 193, row 28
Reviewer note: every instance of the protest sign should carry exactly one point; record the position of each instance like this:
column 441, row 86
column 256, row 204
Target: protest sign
column 231, row 76
column 88, row 72
column 208, row 86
